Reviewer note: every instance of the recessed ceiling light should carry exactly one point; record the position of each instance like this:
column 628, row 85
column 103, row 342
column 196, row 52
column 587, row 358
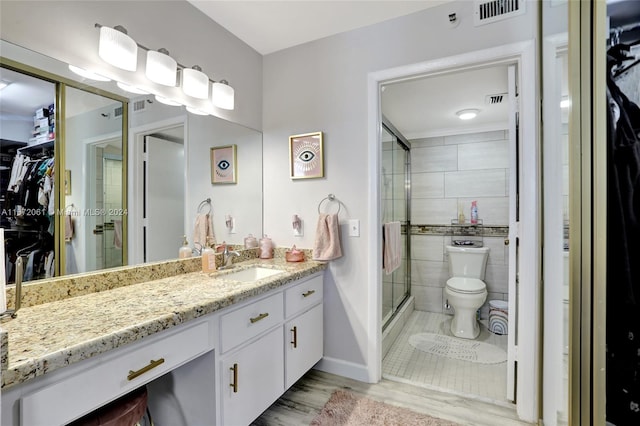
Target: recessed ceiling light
column 467, row 114
column 87, row 74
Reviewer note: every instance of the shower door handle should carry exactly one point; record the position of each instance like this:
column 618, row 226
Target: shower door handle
column 506, row 242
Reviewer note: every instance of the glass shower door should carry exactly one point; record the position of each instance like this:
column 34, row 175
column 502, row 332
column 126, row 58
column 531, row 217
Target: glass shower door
column 395, row 208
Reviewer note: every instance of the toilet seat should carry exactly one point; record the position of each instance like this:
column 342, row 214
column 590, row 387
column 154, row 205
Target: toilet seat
column 466, row 285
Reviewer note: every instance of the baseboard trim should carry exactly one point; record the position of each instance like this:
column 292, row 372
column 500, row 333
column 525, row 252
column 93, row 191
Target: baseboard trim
column 344, row 368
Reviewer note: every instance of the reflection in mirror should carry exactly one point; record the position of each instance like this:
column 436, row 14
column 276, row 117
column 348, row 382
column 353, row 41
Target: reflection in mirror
column 95, row 154
column 27, row 202
column 93, row 192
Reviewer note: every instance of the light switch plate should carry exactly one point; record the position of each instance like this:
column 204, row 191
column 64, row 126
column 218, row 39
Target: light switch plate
column 354, row 227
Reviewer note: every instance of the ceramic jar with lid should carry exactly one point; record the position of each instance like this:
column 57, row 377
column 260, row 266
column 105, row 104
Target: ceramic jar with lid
column 266, row 248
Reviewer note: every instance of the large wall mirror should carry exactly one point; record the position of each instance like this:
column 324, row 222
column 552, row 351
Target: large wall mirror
column 134, row 173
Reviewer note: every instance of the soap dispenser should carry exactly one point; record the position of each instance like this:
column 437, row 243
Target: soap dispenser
column 208, row 257
column 185, row 250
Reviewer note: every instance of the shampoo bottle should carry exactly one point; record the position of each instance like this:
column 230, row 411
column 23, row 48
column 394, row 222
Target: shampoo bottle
column 185, row 250
column 474, row 212
column 208, row 258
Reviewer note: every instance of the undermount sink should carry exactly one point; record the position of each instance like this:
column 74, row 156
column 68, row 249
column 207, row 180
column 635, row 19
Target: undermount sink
column 254, row 273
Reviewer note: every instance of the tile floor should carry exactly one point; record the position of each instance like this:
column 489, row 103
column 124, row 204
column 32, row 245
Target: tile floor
column 407, row 364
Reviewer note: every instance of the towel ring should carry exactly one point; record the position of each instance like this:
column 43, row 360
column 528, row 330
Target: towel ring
column 330, row 198
column 206, row 202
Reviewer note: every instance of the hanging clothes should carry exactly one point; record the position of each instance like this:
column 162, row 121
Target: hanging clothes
column 623, row 252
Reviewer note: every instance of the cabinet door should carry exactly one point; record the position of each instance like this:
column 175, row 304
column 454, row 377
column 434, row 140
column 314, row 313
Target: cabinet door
column 304, row 344
column 252, row 379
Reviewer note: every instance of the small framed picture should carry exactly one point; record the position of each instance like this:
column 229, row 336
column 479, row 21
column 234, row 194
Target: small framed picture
column 305, row 156
column 223, row 164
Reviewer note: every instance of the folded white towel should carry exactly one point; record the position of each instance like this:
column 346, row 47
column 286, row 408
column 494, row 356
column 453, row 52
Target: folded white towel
column 392, row 249
column 327, row 243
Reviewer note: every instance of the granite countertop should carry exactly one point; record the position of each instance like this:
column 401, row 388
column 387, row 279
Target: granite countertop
column 46, row 337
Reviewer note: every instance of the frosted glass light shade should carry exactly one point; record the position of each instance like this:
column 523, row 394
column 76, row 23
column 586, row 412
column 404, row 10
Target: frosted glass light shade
column 87, row 74
column 222, row 95
column 167, row 101
column 118, row 49
column 161, row 68
column 195, row 83
column 131, row 89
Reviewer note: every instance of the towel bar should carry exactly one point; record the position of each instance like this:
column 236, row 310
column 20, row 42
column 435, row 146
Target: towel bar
column 330, row 198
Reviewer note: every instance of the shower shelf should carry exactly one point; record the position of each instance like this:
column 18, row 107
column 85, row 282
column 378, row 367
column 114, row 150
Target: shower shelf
column 466, row 234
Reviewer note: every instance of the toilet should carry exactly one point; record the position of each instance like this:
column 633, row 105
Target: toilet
column 465, row 290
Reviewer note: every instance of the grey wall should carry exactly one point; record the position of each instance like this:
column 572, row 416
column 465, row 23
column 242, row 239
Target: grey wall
column 322, row 85
column 65, row 30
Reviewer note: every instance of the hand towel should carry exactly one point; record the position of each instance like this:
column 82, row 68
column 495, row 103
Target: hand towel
column 327, row 243
column 202, row 229
column 68, row 227
column 392, row 248
column 117, row 234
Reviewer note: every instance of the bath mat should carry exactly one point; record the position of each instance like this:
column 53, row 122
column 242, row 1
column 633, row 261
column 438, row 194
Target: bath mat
column 347, row 409
column 460, row 349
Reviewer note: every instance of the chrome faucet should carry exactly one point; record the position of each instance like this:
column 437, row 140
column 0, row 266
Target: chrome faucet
column 227, row 257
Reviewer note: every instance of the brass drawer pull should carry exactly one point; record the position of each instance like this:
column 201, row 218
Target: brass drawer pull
column 152, row 364
column 294, row 330
column 259, row 317
column 234, row 385
column 308, row 293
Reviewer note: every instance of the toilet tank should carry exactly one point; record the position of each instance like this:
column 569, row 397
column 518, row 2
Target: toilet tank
column 468, row 262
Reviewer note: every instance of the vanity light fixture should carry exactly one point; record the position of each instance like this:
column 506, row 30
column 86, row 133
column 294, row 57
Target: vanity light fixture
column 197, row 111
column 467, row 114
column 222, row 95
column 131, row 89
column 161, row 68
column 195, row 83
column 87, row 74
column 120, row 50
column 117, row 48
column 167, row 101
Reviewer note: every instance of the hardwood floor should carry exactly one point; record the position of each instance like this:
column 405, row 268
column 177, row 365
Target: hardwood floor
column 299, row 405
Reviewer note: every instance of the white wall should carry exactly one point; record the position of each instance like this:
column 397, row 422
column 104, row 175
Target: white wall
column 190, row 36
column 322, row 85
column 16, row 129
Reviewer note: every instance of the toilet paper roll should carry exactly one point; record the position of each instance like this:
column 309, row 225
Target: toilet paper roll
column 3, row 276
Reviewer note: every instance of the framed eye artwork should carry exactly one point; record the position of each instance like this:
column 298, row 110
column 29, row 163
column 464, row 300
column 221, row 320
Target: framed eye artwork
column 305, row 156
column 223, row 164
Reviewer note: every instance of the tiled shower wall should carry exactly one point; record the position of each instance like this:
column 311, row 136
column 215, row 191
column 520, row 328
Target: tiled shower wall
column 447, row 173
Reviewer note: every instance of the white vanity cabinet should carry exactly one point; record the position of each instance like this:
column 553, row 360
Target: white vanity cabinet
column 224, row 368
column 267, row 346
column 303, row 329
column 70, row 393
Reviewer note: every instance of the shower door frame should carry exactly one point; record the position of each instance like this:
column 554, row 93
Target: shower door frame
column 406, row 147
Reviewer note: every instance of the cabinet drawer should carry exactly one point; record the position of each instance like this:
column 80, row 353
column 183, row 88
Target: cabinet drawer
column 102, row 382
column 242, row 324
column 303, row 295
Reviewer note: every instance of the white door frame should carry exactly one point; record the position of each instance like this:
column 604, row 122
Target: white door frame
column 135, row 179
column 528, row 354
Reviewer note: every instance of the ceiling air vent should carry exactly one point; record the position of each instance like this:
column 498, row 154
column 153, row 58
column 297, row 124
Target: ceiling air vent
column 139, row 106
column 496, row 10
column 117, row 112
column 495, row 99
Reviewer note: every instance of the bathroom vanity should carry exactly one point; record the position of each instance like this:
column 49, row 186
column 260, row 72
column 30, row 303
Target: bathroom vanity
column 211, row 348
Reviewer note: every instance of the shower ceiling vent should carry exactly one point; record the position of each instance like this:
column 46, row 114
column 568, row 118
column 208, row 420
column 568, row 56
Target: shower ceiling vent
column 496, row 10
column 495, row 99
